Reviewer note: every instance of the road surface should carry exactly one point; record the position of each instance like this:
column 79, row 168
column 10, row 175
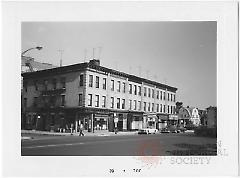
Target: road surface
column 129, row 145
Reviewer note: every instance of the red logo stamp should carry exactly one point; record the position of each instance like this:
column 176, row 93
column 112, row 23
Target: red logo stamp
column 150, row 153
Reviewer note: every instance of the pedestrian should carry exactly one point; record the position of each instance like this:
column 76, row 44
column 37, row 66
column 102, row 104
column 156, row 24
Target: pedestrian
column 81, row 130
column 116, row 130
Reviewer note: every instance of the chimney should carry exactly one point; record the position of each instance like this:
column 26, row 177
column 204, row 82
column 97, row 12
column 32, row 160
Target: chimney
column 95, row 62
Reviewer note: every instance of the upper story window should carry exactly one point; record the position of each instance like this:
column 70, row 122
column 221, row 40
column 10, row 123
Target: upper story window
column 118, row 86
column 149, row 106
column 130, row 88
column 139, row 105
column 161, row 95
column 97, row 82
column 36, row 85
column 25, row 102
column 139, row 90
column 62, row 100
column 144, row 106
column 164, row 108
column 149, row 92
column 135, row 105
column 103, row 101
column 168, row 109
column 35, row 101
column 160, row 107
column 80, row 99
column 45, row 83
column 90, row 81
column 164, row 95
column 124, row 87
column 123, row 103
column 104, row 83
column 152, row 107
column 54, row 82
column 97, row 101
column 152, row 93
column 157, row 107
column 135, row 89
column 118, row 103
column 158, row 94
column 63, row 82
column 112, row 102
column 25, row 85
column 145, row 91
column 130, row 104
column 81, row 80
column 174, row 98
column 171, row 97
column 168, row 96
column 112, row 85
column 89, row 99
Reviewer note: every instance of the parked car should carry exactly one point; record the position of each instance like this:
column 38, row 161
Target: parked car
column 165, row 130
column 147, row 131
column 181, row 129
column 173, row 129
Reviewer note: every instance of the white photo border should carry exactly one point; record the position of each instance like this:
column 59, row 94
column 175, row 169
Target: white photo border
column 14, row 13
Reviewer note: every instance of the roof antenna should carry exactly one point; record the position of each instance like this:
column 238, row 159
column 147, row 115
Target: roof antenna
column 155, row 78
column 140, row 70
column 100, row 50
column 147, row 74
column 85, row 55
column 93, row 52
column 61, row 53
column 130, row 69
column 116, row 63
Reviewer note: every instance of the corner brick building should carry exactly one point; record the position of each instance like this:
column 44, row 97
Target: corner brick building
column 98, row 97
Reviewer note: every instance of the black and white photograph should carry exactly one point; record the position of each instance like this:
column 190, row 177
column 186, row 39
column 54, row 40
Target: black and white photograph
column 120, row 89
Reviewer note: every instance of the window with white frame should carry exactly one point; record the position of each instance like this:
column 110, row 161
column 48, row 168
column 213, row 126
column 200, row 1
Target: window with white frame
column 89, row 99
column 103, row 101
column 118, row 86
column 90, row 81
column 112, row 102
column 118, row 103
column 96, row 100
column 123, row 103
column 97, row 82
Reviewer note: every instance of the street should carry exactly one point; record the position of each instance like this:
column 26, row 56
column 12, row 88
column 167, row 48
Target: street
column 133, row 145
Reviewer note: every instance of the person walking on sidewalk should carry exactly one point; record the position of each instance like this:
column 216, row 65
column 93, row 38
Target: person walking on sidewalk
column 81, row 130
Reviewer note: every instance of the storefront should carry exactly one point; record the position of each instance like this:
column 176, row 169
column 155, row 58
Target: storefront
column 101, row 121
column 162, row 121
column 135, row 121
column 150, row 121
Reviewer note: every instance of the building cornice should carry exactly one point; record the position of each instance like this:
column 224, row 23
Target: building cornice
column 85, row 66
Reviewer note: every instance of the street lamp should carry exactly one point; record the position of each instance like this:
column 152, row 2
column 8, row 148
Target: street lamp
column 37, row 47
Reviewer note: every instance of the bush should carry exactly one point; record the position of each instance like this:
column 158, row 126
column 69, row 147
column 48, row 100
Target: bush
column 206, row 132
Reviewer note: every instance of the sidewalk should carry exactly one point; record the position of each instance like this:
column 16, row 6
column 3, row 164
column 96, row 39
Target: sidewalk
column 96, row 133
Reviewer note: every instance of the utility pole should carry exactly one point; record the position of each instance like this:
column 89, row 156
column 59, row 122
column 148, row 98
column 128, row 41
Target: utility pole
column 61, row 53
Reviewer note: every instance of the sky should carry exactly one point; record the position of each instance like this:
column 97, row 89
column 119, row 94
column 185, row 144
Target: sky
column 179, row 54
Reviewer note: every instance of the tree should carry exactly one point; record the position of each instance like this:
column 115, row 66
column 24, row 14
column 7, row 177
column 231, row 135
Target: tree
column 179, row 105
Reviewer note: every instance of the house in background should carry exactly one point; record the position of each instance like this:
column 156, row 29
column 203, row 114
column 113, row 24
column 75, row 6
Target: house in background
column 188, row 116
column 211, row 121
